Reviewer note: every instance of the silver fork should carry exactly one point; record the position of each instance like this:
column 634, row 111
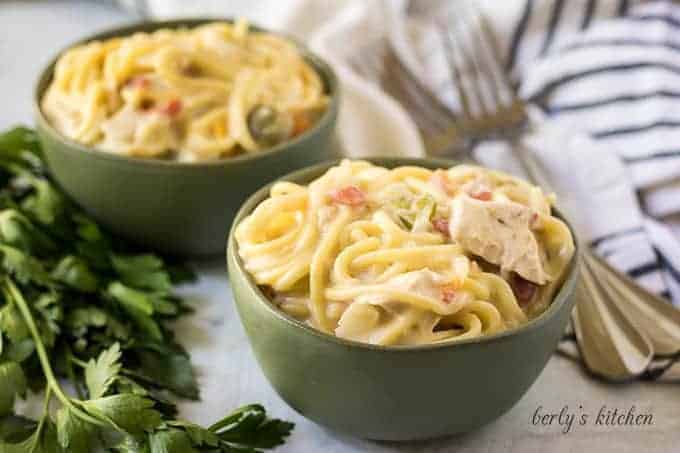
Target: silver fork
column 619, row 325
column 377, row 62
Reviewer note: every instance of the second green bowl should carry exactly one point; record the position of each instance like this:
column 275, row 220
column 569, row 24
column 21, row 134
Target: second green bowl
column 176, row 208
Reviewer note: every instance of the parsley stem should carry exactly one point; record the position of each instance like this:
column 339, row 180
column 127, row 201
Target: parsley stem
column 46, row 403
column 71, row 375
column 41, row 423
column 77, row 361
column 52, row 383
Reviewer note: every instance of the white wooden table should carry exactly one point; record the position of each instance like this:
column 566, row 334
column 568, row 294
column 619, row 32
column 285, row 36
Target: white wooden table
column 30, row 34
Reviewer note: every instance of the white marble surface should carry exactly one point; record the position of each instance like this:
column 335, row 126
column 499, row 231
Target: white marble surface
column 31, row 32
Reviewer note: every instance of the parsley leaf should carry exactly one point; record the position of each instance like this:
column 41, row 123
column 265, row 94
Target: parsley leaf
column 18, row 140
column 18, row 231
column 45, row 204
column 139, row 306
column 168, row 367
column 250, row 427
column 100, row 374
column 74, row 434
column 14, row 428
column 171, row 441
column 131, row 298
column 132, row 413
column 142, row 271
column 14, row 383
column 74, row 272
column 12, row 324
column 43, row 440
column 24, row 268
column 84, row 317
column 19, row 351
column 132, row 445
column 199, row 435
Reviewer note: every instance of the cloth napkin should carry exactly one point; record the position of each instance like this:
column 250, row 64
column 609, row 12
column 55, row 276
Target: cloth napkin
column 616, row 79
column 601, row 73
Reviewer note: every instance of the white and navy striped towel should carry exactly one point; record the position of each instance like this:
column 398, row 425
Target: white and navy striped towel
column 616, row 78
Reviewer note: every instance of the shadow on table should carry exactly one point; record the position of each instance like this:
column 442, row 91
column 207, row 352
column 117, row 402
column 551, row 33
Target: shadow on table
column 437, row 445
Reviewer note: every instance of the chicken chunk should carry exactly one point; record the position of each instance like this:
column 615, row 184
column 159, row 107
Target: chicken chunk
column 500, row 232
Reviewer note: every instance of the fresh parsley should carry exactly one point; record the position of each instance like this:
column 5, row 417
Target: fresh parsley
column 80, row 306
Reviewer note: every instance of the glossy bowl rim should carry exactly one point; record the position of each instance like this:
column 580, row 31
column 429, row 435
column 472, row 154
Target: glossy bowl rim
column 559, row 299
column 320, row 65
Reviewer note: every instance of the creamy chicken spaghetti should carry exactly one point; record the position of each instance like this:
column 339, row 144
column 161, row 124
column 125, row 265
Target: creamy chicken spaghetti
column 409, row 255
column 191, row 94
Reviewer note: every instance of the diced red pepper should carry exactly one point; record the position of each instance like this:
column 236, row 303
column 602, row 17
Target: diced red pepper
column 448, row 293
column 441, row 225
column 524, row 289
column 350, row 196
column 482, row 195
column 535, row 221
column 172, row 108
column 478, row 189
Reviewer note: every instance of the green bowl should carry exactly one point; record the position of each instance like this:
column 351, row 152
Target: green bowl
column 176, row 208
column 392, row 393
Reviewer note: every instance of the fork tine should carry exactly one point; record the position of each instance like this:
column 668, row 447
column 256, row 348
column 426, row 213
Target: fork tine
column 489, row 58
column 421, row 94
column 454, row 61
column 483, row 82
column 370, row 62
column 490, row 107
column 367, row 61
column 428, row 122
column 462, row 37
